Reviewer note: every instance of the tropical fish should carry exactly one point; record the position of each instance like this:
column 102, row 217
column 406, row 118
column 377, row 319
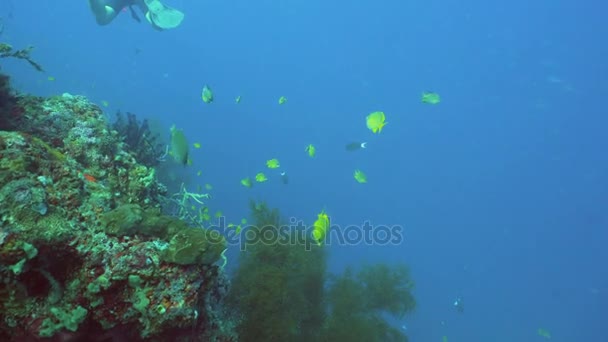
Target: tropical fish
column 360, row 176
column 311, row 150
column 238, row 99
column 105, row 103
column 50, row 78
column 208, row 187
column 273, row 163
column 243, row 221
column 218, row 214
column 89, row 178
column 376, row 121
column 207, row 94
column 282, row 100
column 196, row 145
column 320, row 227
column 430, row 97
column 199, row 172
column 354, row 146
column 260, row 177
column 179, row 146
column 246, row 182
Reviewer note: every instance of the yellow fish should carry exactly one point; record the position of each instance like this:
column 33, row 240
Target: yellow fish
column 360, row 176
column 376, row 121
column 320, row 227
column 311, row 150
column 273, row 163
column 260, row 177
column 105, row 103
column 282, row 100
column 196, row 145
column 246, row 182
column 50, row 78
column 208, row 186
column 218, row 214
column 199, row 173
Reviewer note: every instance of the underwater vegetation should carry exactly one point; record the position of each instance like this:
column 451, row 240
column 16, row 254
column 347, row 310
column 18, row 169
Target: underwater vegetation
column 281, row 291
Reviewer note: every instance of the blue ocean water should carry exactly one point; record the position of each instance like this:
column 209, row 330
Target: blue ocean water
column 501, row 188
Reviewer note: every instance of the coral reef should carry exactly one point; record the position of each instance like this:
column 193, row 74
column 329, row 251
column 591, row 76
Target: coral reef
column 85, row 253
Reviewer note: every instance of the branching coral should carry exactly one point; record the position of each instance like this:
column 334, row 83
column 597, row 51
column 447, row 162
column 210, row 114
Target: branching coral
column 7, row 51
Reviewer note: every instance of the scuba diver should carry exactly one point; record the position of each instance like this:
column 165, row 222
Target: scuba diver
column 160, row 16
column 354, row 146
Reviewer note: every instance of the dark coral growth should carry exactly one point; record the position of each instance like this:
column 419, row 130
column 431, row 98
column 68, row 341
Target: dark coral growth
column 282, row 293
column 140, row 140
column 358, row 304
column 85, row 254
column 278, row 286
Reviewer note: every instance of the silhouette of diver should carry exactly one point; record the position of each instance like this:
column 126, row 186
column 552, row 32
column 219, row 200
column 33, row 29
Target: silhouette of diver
column 160, row 16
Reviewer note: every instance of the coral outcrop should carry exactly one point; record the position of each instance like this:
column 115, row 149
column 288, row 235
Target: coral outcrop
column 85, row 252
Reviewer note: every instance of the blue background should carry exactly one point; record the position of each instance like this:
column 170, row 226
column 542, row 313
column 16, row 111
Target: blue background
column 501, row 188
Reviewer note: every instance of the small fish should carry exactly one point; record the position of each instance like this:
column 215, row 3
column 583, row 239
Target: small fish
column 179, row 146
column 196, row 145
column 543, row 333
column 50, row 78
column 218, row 214
column 208, row 187
column 320, row 227
column 431, row 98
column 243, row 221
column 355, row 146
column 89, row 178
column 105, row 103
column 238, row 99
column 198, row 173
column 360, row 176
column 282, row 100
column 246, row 182
column 311, row 150
column 207, row 94
column 273, row 163
column 260, row 177
column 376, row 121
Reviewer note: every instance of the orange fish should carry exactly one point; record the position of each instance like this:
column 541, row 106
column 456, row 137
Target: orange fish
column 90, row 178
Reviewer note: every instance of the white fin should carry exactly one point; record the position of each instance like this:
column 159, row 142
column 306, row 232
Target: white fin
column 363, row 145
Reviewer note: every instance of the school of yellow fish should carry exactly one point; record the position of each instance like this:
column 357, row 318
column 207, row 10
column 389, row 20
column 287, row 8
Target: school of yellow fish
column 375, row 122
